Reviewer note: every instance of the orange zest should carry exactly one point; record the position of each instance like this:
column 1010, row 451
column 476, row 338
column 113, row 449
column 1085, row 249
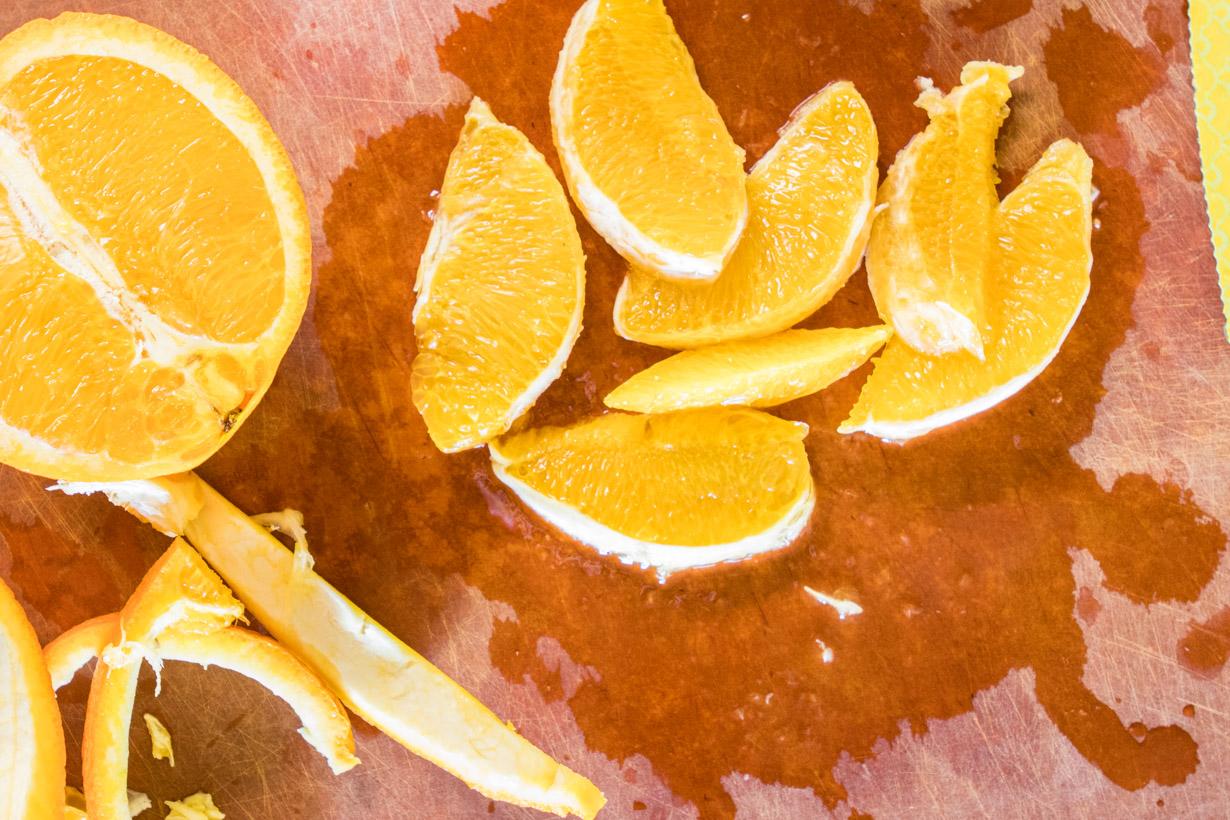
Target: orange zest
column 325, row 725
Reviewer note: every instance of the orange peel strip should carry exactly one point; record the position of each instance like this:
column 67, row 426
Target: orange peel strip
column 31, row 735
column 379, row 677
column 325, row 724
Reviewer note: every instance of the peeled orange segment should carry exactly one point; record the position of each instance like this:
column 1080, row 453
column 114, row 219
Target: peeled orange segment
column 325, row 724
column 672, row 491
column 1039, row 279
column 31, row 735
column 927, row 258
column 756, row 373
column 154, row 251
column 644, row 150
column 381, row 679
column 501, row 287
column 811, row 199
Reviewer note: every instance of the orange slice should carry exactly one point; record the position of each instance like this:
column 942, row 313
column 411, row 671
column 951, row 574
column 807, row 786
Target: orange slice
column 644, row 150
column 927, row 258
column 31, row 735
column 671, row 492
column 757, row 373
column 1039, row 279
column 381, row 679
column 154, row 251
column 501, row 287
column 811, row 198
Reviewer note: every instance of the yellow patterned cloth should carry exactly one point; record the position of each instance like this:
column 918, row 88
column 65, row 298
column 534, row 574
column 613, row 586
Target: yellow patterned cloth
column 1210, row 22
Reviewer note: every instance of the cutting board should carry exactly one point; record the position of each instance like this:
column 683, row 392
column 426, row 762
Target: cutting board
column 1044, row 588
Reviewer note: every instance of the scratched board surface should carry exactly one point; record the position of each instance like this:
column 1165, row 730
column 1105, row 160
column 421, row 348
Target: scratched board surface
column 1045, row 588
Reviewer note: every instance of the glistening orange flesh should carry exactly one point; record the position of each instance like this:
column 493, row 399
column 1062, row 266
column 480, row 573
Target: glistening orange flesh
column 154, row 251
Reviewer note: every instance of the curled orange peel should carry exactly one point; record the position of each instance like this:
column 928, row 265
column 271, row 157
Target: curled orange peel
column 180, row 611
column 31, row 735
column 325, row 724
column 379, row 677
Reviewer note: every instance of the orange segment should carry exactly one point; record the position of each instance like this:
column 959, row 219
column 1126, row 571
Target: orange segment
column 381, row 679
column 31, row 735
column 645, row 152
column 1039, row 281
column 501, row 287
column 154, row 249
column 926, row 261
column 756, row 373
column 810, row 199
column 671, row 491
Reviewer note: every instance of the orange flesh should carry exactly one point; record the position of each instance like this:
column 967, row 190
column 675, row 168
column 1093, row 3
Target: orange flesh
column 193, row 227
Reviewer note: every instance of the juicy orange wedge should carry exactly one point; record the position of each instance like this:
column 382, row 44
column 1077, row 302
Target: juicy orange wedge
column 668, row 492
column 381, row 679
column 325, row 724
column 31, row 735
column 754, row 373
column 501, row 287
column 1039, row 279
column 154, row 251
column 811, row 199
column 927, row 258
column 645, row 152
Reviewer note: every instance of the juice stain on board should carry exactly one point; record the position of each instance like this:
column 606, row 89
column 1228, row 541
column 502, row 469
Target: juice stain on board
column 956, row 546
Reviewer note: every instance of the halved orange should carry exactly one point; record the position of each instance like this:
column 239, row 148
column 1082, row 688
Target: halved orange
column 379, row 677
column 31, row 735
column 501, row 287
column 927, row 258
column 154, row 251
column 811, row 199
column 670, row 491
column 1039, row 279
column 644, row 150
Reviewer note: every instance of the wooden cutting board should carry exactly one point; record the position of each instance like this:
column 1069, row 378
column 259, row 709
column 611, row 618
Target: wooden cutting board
column 1044, row 588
